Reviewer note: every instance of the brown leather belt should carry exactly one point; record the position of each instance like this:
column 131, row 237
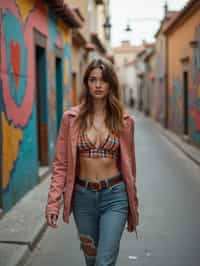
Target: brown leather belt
column 101, row 184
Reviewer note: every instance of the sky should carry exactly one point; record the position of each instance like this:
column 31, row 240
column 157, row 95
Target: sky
column 144, row 17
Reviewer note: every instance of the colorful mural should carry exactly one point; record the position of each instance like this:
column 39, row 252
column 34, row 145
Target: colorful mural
column 11, row 138
column 19, row 149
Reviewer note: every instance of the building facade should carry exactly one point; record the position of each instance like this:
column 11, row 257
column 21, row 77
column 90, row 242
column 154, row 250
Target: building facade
column 35, row 86
column 149, row 81
column 89, row 41
column 142, row 73
column 183, row 88
column 160, row 99
column 45, row 47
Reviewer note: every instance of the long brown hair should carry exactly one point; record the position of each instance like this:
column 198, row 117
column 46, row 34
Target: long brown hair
column 114, row 104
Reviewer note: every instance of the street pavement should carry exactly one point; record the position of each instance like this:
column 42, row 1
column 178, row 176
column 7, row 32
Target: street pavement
column 168, row 183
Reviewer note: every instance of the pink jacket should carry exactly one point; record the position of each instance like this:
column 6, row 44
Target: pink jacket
column 64, row 167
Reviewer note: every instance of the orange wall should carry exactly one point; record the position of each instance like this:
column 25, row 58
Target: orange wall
column 179, row 47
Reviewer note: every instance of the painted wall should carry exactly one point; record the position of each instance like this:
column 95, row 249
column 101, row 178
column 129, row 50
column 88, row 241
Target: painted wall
column 160, row 81
column 179, row 47
column 18, row 127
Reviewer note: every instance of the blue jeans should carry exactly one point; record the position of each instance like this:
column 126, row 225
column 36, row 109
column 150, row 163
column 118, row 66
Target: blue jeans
column 100, row 217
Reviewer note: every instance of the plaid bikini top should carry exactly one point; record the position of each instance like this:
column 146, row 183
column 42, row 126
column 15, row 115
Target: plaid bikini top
column 108, row 148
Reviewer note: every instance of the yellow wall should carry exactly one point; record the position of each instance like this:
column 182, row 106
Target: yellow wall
column 83, row 6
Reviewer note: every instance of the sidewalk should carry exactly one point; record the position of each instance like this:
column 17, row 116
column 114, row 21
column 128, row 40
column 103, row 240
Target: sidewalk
column 189, row 150
column 22, row 227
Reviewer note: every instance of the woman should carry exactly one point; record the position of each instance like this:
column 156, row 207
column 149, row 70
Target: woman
column 94, row 167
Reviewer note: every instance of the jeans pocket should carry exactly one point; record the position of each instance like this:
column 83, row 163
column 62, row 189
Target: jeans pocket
column 120, row 187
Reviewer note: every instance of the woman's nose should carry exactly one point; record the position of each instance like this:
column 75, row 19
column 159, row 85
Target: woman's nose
column 98, row 83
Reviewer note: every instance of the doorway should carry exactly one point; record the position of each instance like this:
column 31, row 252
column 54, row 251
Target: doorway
column 41, row 105
column 185, row 102
column 59, row 93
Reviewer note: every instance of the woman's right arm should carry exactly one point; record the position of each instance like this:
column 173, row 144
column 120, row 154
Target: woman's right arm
column 59, row 171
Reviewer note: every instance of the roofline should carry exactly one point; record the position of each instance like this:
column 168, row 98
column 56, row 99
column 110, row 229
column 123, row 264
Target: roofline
column 78, row 37
column 95, row 39
column 165, row 19
column 181, row 14
column 149, row 55
column 63, row 11
column 79, row 13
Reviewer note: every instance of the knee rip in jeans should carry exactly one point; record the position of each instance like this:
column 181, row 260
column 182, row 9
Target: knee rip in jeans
column 87, row 245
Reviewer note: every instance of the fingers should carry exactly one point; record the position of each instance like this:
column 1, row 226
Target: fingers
column 130, row 228
column 52, row 220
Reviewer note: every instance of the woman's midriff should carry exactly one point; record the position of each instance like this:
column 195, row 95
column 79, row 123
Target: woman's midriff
column 96, row 169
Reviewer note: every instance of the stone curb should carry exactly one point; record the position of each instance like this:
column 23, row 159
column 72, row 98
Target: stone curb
column 19, row 257
column 190, row 151
column 37, row 234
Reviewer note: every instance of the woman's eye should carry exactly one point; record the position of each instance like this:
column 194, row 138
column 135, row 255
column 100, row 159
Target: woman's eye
column 95, row 80
column 92, row 80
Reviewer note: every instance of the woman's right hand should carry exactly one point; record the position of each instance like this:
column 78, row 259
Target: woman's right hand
column 52, row 220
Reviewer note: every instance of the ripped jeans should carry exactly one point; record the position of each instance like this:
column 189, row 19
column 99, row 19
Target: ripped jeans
column 100, row 217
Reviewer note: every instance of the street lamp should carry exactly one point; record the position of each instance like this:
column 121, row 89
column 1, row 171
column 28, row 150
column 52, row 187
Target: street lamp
column 107, row 28
column 128, row 27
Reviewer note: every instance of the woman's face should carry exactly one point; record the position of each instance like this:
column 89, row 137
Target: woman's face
column 98, row 87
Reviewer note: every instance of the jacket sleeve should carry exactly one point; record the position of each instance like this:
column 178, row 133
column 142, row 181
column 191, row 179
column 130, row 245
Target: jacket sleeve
column 59, row 170
column 133, row 168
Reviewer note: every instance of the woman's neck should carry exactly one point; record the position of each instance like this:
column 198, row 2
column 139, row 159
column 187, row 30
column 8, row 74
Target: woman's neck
column 99, row 108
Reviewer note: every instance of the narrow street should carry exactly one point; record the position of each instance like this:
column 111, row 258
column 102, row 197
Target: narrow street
column 169, row 194
column 57, row 55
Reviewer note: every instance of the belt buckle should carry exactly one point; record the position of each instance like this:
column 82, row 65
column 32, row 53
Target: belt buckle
column 96, row 186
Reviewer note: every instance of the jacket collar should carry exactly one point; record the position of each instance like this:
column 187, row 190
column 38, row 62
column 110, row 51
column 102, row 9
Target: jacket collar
column 75, row 110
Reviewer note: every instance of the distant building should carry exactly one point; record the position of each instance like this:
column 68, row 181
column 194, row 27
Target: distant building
column 124, row 56
column 149, row 80
column 141, row 70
